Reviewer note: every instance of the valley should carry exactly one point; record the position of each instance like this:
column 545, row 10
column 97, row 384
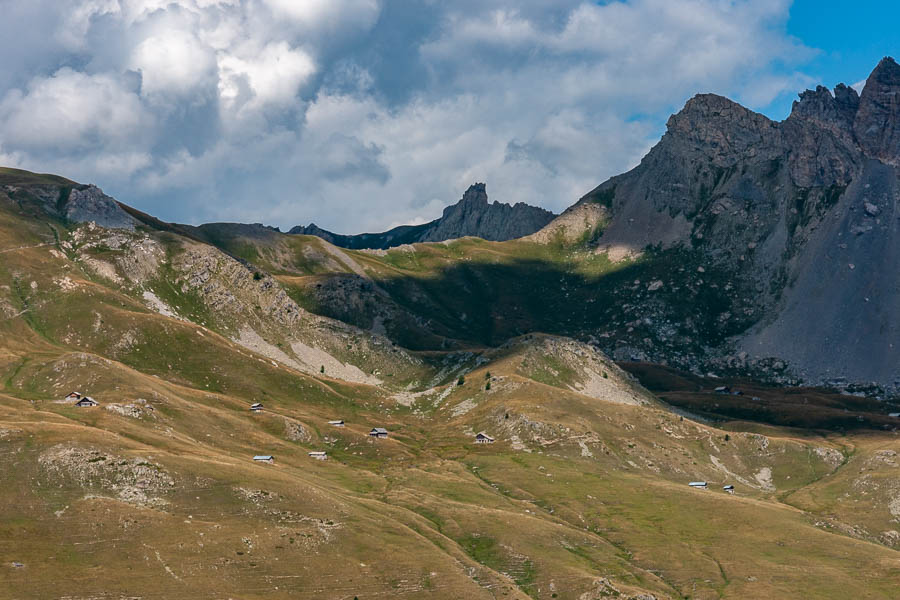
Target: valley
column 175, row 331
column 685, row 384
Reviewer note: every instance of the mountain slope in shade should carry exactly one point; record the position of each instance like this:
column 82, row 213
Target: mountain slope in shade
column 471, row 216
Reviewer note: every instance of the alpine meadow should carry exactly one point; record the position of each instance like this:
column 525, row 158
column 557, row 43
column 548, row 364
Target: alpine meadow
column 682, row 385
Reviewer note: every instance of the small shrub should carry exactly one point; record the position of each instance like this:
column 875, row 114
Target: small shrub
column 727, row 437
column 487, row 386
column 322, row 370
column 487, row 375
column 257, row 276
column 461, row 380
column 605, row 375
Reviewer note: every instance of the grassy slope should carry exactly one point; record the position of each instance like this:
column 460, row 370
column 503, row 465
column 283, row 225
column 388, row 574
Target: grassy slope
column 475, row 293
column 575, row 489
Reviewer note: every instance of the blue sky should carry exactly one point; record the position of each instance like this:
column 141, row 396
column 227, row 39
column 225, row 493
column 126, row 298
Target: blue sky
column 851, row 39
column 364, row 114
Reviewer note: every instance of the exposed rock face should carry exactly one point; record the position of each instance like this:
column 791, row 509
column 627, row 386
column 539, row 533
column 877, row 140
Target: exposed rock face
column 802, row 213
column 65, row 199
column 90, row 204
column 471, row 216
column 474, row 216
column 877, row 123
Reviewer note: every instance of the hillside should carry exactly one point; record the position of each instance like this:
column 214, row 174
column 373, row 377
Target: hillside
column 710, row 255
column 471, row 216
column 176, row 330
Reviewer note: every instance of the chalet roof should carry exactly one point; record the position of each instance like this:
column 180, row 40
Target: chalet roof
column 317, row 453
column 379, row 430
column 264, row 457
column 482, row 434
column 336, row 422
column 697, row 484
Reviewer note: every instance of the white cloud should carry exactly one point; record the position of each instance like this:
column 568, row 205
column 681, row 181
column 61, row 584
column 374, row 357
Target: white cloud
column 173, row 62
column 71, row 112
column 331, row 14
column 272, row 74
column 78, row 20
column 360, row 114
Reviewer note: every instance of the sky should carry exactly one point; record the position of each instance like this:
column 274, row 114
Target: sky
column 360, row 115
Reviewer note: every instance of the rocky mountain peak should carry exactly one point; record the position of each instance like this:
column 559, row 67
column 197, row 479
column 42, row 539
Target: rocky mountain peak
column 721, row 129
column 831, row 111
column 703, row 107
column 846, row 97
column 474, row 200
column 473, row 215
column 877, row 123
column 475, row 196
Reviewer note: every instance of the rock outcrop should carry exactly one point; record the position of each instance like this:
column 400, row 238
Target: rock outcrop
column 474, row 216
column 802, row 213
column 877, row 122
column 90, row 204
column 471, row 216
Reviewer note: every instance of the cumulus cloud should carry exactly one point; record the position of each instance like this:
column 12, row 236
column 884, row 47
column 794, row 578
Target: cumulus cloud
column 173, row 62
column 73, row 112
column 362, row 114
column 268, row 75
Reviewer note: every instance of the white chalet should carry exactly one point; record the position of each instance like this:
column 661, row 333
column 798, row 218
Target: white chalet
column 483, row 438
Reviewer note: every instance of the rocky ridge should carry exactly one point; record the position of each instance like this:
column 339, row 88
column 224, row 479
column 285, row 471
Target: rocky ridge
column 471, row 216
column 800, row 216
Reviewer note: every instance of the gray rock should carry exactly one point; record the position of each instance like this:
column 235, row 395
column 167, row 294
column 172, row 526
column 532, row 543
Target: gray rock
column 471, row 216
column 877, row 122
column 724, row 180
column 90, row 204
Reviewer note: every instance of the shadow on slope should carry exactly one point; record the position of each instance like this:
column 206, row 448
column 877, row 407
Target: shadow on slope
column 656, row 301
column 810, row 408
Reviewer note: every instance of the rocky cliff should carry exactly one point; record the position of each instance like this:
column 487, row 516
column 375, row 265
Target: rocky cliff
column 803, row 215
column 471, row 216
column 64, row 199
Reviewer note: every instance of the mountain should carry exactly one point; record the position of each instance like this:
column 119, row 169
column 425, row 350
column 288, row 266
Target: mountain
column 602, row 354
column 471, row 216
column 176, row 330
column 798, row 218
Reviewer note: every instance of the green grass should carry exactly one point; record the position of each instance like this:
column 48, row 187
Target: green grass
column 596, row 489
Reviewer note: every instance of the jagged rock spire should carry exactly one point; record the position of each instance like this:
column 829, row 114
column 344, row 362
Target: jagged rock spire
column 877, row 124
